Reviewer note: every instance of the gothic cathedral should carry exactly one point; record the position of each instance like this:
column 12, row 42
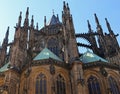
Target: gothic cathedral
column 48, row 61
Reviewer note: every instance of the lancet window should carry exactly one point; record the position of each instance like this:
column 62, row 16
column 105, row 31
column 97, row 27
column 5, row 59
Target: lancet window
column 93, row 85
column 41, row 84
column 113, row 86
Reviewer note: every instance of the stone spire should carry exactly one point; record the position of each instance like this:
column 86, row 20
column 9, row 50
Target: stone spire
column 32, row 22
column 99, row 28
column 96, row 19
column 109, row 27
column 44, row 20
column 66, row 9
column 26, row 22
column 5, row 42
column 20, row 19
column 37, row 26
column 89, row 26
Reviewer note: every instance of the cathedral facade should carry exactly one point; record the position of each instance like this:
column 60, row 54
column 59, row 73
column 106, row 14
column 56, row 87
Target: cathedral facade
column 48, row 61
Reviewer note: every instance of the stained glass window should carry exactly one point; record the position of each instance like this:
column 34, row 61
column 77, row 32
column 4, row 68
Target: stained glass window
column 60, row 87
column 53, row 46
column 113, row 86
column 41, row 84
column 93, row 85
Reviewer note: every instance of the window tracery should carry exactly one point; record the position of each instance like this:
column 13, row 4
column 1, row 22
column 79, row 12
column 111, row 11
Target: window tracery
column 41, row 84
column 113, row 86
column 60, row 87
column 93, row 85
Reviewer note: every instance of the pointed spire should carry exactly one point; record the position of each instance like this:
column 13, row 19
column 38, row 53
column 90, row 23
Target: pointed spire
column 54, row 20
column 66, row 9
column 5, row 42
column 27, row 12
column 64, row 5
column 26, row 22
column 57, row 17
column 44, row 21
column 7, row 33
column 109, row 27
column 20, row 19
column 89, row 26
column 96, row 19
column 0, row 43
column 99, row 28
column 32, row 21
column 37, row 26
column 68, row 6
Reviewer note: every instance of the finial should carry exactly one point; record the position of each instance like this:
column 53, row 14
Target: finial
column 107, row 23
column 8, row 29
column 37, row 26
column 27, row 12
column 44, row 20
column 62, row 12
column 32, row 21
column 89, row 26
column 64, row 5
column 20, row 18
column 26, row 22
column 108, row 26
column 99, row 28
column 7, row 33
column 96, row 19
column 57, row 17
column 6, row 36
column 68, row 6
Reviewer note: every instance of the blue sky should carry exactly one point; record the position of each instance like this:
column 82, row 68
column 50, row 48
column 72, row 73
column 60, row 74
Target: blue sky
column 82, row 10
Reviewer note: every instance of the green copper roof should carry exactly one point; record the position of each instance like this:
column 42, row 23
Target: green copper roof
column 91, row 57
column 5, row 67
column 46, row 54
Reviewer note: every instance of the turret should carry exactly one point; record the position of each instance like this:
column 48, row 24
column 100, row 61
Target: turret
column 71, row 50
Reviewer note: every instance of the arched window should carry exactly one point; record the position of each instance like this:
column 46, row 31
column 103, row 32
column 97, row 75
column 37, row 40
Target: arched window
column 60, row 87
column 113, row 86
column 53, row 46
column 41, row 84
column 93, row 85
